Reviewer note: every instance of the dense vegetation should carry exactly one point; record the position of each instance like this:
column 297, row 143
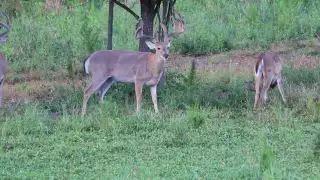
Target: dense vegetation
column 206, row 129
column 213, row 26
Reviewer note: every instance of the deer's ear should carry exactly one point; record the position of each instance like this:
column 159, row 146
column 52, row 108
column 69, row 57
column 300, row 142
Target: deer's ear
column 151, row 45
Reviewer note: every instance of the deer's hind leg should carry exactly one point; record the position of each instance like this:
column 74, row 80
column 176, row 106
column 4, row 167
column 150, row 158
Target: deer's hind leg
column 104, row 88
column 257, row 81
column 266, row 85
column 257, row 91
column 93, row 87
column 1, row 90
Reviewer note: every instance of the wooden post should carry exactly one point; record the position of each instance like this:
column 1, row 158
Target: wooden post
column 110, row 24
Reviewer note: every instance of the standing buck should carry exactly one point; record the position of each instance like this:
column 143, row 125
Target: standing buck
column 268, row 68
column 3, row 62
column 109, row 66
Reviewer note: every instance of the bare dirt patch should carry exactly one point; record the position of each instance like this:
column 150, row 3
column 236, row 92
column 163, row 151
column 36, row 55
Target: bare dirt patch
column 33, row 86
column 241, row 62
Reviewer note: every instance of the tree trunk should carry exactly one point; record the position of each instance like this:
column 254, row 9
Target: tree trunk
column 110, row 25
column 147, row 15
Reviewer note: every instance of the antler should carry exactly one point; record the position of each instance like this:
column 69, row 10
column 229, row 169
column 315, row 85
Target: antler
column 165, row 31
column 139, row 32
column 4, row 35
column 179, row 27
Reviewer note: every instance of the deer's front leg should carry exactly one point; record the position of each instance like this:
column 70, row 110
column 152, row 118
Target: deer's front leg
column 265, row 88
column 153, row 90
column 138, row 90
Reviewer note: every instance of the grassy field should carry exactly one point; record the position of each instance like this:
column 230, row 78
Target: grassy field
column 206, row 128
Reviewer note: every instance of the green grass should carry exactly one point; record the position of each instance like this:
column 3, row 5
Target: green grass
column 212, row 136
column 206, row 128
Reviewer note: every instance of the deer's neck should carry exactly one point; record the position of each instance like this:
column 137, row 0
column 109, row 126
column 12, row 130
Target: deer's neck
column 156, row 64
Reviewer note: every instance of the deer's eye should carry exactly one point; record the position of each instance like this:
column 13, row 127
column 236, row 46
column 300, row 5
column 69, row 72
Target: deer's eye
column 158, row 48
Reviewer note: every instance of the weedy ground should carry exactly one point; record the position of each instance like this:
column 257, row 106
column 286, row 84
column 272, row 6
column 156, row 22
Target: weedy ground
column 206, row 128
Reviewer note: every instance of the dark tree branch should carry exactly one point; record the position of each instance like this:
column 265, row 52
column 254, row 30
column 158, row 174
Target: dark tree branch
column 156, row 9
column 127, row 9
column 168, row 14
column 164, row 10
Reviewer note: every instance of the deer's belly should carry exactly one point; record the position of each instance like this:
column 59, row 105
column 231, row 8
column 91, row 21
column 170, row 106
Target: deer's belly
column 124, row 79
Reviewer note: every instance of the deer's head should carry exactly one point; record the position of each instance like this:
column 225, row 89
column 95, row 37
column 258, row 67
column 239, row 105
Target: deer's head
column 162, row 47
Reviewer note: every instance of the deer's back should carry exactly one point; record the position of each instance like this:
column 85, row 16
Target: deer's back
column 123, row 65
column 114, row 58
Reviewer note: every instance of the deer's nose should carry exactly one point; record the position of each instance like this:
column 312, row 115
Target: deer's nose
column 166, row 56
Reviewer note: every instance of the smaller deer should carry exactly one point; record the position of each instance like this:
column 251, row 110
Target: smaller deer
column 3, row 62
column 268, row 68
column 109, row 66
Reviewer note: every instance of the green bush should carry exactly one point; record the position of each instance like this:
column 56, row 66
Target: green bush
column 38, row 40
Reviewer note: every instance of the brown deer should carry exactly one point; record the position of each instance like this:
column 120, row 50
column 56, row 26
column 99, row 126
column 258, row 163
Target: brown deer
column 3, row 62
column 268, row 68
column 109, row 66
